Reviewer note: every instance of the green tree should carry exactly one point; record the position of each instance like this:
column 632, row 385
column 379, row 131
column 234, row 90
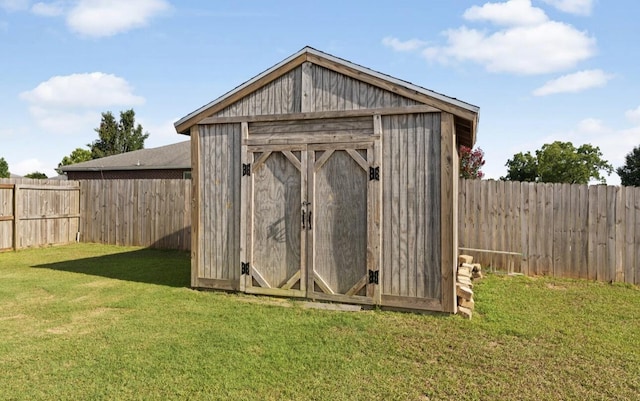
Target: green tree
column 36, row 175
column 630, row 172
column 117, row 137
column 559, row 162
column 79, row 155
column 4, row 168
column 471, row 161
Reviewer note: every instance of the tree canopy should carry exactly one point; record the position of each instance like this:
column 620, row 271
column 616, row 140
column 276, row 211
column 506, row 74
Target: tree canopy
column 559, row 162
column 630, row 172
column 79, row 155
column 471, row 161
column 117, row 137
column 4, row 168
column 36, row 175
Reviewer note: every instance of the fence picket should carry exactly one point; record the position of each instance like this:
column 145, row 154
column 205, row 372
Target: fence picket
column 573, row 231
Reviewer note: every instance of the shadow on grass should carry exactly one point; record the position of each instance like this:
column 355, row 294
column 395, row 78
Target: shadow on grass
column 151, row 266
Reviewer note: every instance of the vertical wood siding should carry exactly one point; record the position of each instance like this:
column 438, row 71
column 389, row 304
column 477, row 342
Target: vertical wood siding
column 329, row 91
column 281, row 96
column 411, row 205
column 332, row 91
column 219, row 180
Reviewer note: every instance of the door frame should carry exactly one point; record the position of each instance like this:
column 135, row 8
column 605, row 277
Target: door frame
column 302, row 143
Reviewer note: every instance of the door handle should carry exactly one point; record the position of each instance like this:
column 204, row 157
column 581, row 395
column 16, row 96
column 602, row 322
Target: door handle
column 309, row 220
column 303, row 218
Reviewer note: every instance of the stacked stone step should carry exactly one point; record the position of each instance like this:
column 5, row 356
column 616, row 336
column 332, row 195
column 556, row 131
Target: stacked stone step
column 467, row 272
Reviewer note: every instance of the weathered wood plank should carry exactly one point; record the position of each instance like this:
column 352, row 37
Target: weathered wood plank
column 318, row 115
column 636, row 191
column 307, row 88
column 414, row 214
column 396, row 148
column 387, row 177
column 447, row 218
column 403, row 239
column 374, row 223
column 619, row 231
column 321, row 138
column 629, row 236
column 422, row 212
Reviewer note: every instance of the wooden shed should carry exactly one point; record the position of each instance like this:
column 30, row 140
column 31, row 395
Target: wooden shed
column 325, row 180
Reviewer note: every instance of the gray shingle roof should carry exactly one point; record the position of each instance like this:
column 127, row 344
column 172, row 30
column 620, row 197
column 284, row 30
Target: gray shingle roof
column 174, row 156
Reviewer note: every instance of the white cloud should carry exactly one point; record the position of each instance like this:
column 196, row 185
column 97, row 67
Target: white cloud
column 511, row 13
column 634, row 116
column 521, row 40
column 403, row 46
column 98, row 18
column 576, row 82
column 48, row 9
column 94, row 89
column 578, row 7
column 72, row 104
column 535, row 49
column 14, row 5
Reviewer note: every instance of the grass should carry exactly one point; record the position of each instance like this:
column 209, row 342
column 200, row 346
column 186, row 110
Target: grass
column 100, row 322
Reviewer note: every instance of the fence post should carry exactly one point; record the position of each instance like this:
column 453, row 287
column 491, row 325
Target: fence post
column 16, row 217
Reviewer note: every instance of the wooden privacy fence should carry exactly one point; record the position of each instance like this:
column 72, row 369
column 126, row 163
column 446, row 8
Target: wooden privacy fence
column 153, row 213
column 38, row 212
column 561, row 230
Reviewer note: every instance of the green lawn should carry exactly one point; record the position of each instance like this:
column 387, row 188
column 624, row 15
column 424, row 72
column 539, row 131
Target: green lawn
column 100, row 322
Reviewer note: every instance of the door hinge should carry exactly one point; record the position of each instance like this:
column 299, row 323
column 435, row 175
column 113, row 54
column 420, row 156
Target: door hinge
column 374, row 173
column 373, row 276
column 245, row 268
column 246, row 169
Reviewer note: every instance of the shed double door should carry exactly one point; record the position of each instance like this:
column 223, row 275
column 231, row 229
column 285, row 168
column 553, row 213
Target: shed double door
column 311, row 221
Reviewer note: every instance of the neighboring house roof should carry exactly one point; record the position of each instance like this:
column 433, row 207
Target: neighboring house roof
column 14, row 176
column 466, row 113
column 175, row 156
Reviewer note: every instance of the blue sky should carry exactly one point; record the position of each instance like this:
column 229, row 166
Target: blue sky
column 539, row 70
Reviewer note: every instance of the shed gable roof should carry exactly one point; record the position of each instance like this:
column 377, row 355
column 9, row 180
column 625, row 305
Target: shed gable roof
column 465, row 113
column 174, row 156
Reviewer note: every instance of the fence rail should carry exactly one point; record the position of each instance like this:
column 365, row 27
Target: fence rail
column 561, row 230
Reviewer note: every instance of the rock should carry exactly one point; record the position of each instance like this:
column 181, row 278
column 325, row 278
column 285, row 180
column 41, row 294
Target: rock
column 465, row 259
column 476, row 267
